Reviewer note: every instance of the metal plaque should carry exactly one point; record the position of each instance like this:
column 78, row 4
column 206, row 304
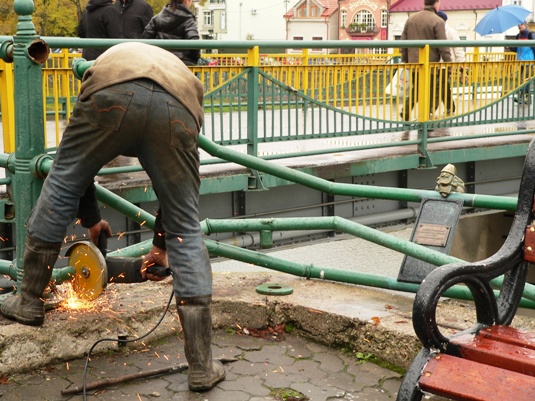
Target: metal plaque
column 432, row 234
column 434, row 229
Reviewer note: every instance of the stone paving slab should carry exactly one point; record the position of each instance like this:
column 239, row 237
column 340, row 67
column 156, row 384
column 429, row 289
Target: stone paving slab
column 264, row 367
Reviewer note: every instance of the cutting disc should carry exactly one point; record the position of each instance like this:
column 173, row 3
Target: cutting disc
column 91, row 272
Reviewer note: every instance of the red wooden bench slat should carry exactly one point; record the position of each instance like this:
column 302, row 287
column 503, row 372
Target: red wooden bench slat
column 509, row 335
column 496, row 353
column 463, row 380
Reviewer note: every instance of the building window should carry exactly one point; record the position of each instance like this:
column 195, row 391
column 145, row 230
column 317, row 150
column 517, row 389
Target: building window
column 517, row 2
column 365, row 17
column 384, row 18
column 343, row 18
column 314, row 10
column 302, row 11
column 208, row 18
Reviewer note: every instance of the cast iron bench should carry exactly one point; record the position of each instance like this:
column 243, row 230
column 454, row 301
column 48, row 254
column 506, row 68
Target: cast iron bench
column 491, row 360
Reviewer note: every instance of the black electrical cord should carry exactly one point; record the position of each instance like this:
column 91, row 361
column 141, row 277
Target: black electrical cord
column 120, row 341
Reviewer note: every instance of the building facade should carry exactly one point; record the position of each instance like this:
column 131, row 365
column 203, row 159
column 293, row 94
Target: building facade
column 462, row 15
column 212, row 19
column 336, row 19
column 313, row 20
column 363, row 19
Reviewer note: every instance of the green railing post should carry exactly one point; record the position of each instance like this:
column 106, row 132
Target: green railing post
column 28, row 54
column 424, row 104
column 252, row 101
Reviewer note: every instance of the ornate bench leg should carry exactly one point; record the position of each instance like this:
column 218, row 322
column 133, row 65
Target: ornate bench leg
column 409, row 390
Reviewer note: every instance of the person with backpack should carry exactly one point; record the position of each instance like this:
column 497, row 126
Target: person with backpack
column 524, row 53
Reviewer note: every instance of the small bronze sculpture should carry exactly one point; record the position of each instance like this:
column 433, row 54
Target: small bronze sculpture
column 448, row 182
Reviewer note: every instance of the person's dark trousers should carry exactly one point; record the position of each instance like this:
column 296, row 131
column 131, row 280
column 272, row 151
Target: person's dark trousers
column 447, row 96
column 436, row 90
column 524, row 92
column 28, row 307
column 413, row 97
column 411, row 100
column 196, row 320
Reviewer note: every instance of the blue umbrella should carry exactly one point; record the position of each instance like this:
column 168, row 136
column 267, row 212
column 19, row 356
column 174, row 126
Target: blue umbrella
column 501, row 19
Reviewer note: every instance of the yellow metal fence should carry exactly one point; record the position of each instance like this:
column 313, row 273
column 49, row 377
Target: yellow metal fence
column 371, row 85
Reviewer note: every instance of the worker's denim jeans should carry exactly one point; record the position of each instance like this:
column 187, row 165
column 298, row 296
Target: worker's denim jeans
column 137, row 118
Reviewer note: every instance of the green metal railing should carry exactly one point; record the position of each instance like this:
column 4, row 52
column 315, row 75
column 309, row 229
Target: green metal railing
column 302, row 97
column 26, row 166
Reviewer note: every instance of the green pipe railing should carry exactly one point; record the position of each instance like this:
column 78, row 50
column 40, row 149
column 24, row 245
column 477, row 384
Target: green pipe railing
column 54, row 41
column 311, row 271
column 366, row 191
column 339, row 224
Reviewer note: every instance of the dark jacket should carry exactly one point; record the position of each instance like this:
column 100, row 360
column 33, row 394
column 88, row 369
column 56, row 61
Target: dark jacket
column 179, row 23
column 99, row 20
column 135, row 15
column 424, row 25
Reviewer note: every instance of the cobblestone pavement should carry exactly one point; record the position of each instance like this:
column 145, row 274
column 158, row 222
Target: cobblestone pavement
column 266, row 369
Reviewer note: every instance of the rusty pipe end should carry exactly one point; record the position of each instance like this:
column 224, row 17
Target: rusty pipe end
column 6, row 51
column 38, row 51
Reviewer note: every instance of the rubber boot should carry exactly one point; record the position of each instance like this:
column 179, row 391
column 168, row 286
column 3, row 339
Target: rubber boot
column 28, row 307
column 196, row 320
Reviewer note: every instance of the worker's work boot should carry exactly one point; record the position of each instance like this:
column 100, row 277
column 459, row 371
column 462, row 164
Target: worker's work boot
column 196, row 320
column 28, row 307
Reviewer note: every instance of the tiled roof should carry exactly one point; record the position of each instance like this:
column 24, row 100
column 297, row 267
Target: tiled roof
column 330, row 6
column 447, row 5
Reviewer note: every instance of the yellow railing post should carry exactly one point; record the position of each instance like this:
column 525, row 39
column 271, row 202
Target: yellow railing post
column 424, row 87
column 304, row 81
column 253, row 56
column 8, row 106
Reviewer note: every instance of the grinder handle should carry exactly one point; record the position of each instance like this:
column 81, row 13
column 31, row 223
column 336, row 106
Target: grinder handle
column 103, row 243
column 159, row 270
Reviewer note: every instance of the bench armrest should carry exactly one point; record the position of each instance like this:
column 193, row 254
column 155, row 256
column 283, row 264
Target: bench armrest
column 508, row 261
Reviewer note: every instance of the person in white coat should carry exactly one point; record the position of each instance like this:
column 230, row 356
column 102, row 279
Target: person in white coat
column 457, row 56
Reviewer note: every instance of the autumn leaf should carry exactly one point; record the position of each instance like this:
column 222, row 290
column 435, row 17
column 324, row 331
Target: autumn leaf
column 375, row 320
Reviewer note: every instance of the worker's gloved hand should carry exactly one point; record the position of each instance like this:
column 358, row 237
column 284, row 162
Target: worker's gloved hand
column 94, row 231
column 155, row 257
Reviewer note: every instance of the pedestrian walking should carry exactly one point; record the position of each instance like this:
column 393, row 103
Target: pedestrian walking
column 524, row 53
column 154, row 112
column 100, row 20
column 175, row 21
column 457, row 56
column 135, row 15
column 424, row 25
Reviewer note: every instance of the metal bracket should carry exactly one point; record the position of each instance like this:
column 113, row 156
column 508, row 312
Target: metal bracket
column 255, row 182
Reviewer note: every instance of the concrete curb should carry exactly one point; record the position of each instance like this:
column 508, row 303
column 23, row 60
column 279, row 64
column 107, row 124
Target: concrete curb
column 337, row 315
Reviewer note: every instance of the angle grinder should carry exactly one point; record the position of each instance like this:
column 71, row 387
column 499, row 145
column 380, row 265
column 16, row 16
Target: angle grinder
column 94, row 270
